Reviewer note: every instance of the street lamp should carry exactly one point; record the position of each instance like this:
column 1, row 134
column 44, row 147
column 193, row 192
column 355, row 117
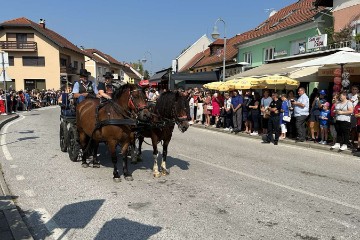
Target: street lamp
column 144, row 60
column 215, row 35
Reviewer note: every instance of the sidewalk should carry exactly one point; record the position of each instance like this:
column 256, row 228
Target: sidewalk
column 12, row 226
column 306, row 144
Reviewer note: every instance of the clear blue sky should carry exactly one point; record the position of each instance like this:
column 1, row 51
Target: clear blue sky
column 128, row 29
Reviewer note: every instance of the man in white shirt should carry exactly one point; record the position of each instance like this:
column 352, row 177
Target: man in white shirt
column 301, row 113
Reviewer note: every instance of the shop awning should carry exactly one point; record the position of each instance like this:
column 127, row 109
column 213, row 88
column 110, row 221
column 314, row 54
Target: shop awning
column 279, row 68
column 160, row 75
column 199, row 76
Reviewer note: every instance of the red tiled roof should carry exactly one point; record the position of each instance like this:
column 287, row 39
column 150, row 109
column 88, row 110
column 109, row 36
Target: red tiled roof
column 90, row 53
column 48, row 33
column 293, row 15
column 107, row 57
column 193, row 61
column 113, row 60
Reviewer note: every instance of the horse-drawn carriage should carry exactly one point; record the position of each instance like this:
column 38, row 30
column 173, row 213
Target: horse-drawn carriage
column 118, row 122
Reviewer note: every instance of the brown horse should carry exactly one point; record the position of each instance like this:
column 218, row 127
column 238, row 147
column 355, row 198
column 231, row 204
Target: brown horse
column 114, row 125
column 171, row 108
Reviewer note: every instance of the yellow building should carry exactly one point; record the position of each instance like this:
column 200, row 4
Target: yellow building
column 39, row 58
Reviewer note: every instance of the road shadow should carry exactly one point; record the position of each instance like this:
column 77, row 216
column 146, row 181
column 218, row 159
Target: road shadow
column 26, row 131
column 73, row 216
column 126, row 229
column 19, row 140
column 146, row 163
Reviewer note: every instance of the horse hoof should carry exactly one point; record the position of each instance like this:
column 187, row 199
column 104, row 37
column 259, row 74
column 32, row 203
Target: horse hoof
column 129, row 178
column 85, row 165
column 117, row 180
column 165, row 172
column 96, row 165
column 157, row 175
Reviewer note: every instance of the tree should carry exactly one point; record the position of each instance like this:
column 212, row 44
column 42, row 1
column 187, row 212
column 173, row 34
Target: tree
column 146, row 74
column 138, row 67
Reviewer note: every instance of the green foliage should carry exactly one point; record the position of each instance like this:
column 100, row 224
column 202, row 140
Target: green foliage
column 357, row 38
column 146, row 74
column 345, row 34
column 330, row 35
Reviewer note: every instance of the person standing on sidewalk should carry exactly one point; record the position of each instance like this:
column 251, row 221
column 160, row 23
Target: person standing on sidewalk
column 236, row 106
column 343, row 110
column 301, row 113
column 274, row 120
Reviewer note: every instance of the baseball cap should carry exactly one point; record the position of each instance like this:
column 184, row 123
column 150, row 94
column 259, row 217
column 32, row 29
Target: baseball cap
column 322, row 92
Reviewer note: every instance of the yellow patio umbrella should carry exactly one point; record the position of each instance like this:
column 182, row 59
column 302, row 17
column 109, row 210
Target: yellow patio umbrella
column 212, row 85
column 224, row 88
column 280, row 82
column 231, row 83
column 249, row 83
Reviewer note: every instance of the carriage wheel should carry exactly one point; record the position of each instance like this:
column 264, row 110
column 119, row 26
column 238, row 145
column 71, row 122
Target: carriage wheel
column 63, row 137
column 74, row 146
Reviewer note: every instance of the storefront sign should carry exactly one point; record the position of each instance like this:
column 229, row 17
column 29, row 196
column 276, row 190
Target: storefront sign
column 280, row 53
column 330, row 71
column 317, row 42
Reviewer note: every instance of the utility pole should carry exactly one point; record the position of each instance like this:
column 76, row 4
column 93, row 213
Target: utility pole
column 4, row 79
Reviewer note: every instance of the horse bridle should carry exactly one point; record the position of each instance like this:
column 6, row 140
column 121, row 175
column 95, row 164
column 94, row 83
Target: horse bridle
column 133, row 106
column 179, row 120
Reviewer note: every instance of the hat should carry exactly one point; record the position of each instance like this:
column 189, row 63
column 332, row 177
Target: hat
column 327, row 104
column 322, row 92
column 108, row 75
column 84, row 72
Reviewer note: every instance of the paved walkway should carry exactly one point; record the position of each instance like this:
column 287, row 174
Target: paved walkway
column 306, row 144
column 12, row 226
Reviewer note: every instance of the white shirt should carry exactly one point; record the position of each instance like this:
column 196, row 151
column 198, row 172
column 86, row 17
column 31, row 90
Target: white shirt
column 353, row 99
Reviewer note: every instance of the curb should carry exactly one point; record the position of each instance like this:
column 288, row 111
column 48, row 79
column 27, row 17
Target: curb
column 18, row 228
column 286, row 141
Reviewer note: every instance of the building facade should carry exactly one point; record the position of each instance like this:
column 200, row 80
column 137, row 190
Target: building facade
column 39, row 58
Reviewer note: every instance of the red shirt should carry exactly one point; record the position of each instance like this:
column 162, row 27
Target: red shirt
column 356, row 111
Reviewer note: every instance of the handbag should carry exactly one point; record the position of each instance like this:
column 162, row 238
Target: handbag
column 286, row 118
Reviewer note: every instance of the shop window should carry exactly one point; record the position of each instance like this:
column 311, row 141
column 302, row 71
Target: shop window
column 31, row 84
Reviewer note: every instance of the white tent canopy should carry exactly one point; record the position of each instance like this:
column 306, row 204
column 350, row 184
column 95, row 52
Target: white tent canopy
column 336, row 59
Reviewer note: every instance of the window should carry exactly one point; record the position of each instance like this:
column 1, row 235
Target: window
column 76, row 64
column 248, row 57
column 21, row 37
column 82, row 65
column 33, row 61
column 31, row 84
column 63, row 62
column 11, row 60
column 269, row 53
column 298, row 47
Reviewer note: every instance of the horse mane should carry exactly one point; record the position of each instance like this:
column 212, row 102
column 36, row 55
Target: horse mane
column 166, row 103
column 120, row 90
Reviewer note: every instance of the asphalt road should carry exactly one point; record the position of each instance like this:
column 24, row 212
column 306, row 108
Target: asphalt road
column 220, row 187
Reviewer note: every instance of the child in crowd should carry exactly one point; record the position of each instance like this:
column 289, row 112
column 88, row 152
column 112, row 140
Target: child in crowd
column 357, row 115
column 324, row 122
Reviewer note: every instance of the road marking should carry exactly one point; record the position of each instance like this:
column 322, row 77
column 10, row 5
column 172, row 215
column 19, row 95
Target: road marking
column 52, row 227
column 29, row 193
column 5, row 150
column 276, row 184
column 20, row 177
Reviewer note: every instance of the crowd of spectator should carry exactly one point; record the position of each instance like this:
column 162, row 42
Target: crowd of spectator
column 26, row 100
column 320, row 118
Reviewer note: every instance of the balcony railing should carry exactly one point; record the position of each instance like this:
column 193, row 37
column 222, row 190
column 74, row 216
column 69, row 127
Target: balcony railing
column 18, row 46
column 68, row 70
